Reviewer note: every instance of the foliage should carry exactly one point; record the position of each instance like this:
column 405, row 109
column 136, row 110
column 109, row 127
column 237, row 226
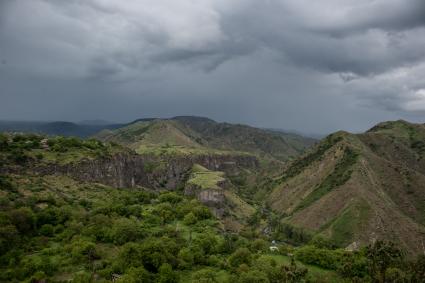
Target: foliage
column 329, row 259
column 382, row 255
column 291, row 234
column 240, row 256
column 53, row 228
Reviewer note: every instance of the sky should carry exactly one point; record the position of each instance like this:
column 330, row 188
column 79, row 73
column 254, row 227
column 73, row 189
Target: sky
column 306, row 65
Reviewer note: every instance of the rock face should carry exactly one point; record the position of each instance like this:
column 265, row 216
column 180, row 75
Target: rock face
column 214, row 198
column 131, row 170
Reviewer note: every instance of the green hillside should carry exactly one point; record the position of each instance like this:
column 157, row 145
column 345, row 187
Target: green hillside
column 194, row 135
column 351, row 209
column 355, row 189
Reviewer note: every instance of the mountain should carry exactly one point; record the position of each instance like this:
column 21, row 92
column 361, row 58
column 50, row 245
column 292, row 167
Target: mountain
column 205, row 177
column 188, row 134
column 83, row 129
column 357, row 188
column 199, row 201
column 74, row 210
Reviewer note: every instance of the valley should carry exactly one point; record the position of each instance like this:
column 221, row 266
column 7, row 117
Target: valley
column 188, row 199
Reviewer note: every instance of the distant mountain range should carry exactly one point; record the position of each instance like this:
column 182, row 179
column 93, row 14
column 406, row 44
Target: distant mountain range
column 88, row 128
column 56, row 128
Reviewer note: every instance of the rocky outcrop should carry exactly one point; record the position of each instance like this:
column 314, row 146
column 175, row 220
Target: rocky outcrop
column 129, row 169
column 214, row 198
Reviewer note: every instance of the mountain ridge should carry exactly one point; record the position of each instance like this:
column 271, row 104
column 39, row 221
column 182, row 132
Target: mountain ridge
column 203, row 133
column 357, row 188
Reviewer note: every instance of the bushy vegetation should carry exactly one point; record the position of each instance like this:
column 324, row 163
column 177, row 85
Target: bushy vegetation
column 21, row 149
column 55, row 229
column 59, row 230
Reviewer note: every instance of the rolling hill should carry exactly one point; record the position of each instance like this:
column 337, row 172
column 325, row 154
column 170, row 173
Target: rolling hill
column 187, row 134
column 357, row 188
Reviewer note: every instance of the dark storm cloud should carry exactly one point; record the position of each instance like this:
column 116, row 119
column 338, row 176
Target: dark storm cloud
column 261, row 62
column 392, row 15
column 307, row 38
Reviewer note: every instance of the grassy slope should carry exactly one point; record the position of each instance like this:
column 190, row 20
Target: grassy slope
column 184, row 135
column 238, row 210
column 359, row 187
column 204, row 178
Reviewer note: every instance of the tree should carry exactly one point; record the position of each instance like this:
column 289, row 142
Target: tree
column 240, row 256
column 165, row 211
column 170, row 197
column 353, row 265
column 253, row 276
column 293, row 274
column 186, row 258
column 24, row 219
column 166, row 274
column 190, row 219
column 47, row 230
column 8, row 237
column 417, row 269
column 259, row 245
column 382, row 255
column 131, row 255
column 136, row 275
column 126, row 230
column 206, row 275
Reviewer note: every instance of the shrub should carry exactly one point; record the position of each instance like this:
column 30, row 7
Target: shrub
column 137, row 275
column 166, row 274
column 24, row 219
column 83, row 250
column 186, row 258
column 190, row 219
column 205, row 275
column 381, row 256
column 353, row 265
column 47, row 230
column 328, row 259
column 170, row 197
column 35, row 263
column 293, row 273
column 253, row 276
column 8, row 236
column 126, row 230
column 240, row 256
column 259, row 245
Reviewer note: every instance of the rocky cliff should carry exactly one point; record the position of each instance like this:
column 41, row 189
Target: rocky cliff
column 128, row 169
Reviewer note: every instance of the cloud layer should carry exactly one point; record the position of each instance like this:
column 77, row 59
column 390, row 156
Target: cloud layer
column 312, row 65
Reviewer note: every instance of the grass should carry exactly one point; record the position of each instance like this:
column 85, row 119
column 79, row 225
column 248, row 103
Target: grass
column 241, row 209
column 340, row 175
column 301, row 163
column 345, row 226
column 315, row 272
column 180, row 150
column 204, row 178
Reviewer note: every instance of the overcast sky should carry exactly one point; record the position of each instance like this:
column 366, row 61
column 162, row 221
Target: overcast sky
column 311, row 65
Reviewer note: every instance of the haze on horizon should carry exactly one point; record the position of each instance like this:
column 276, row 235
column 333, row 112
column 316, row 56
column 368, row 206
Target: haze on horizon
column 310, row 66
